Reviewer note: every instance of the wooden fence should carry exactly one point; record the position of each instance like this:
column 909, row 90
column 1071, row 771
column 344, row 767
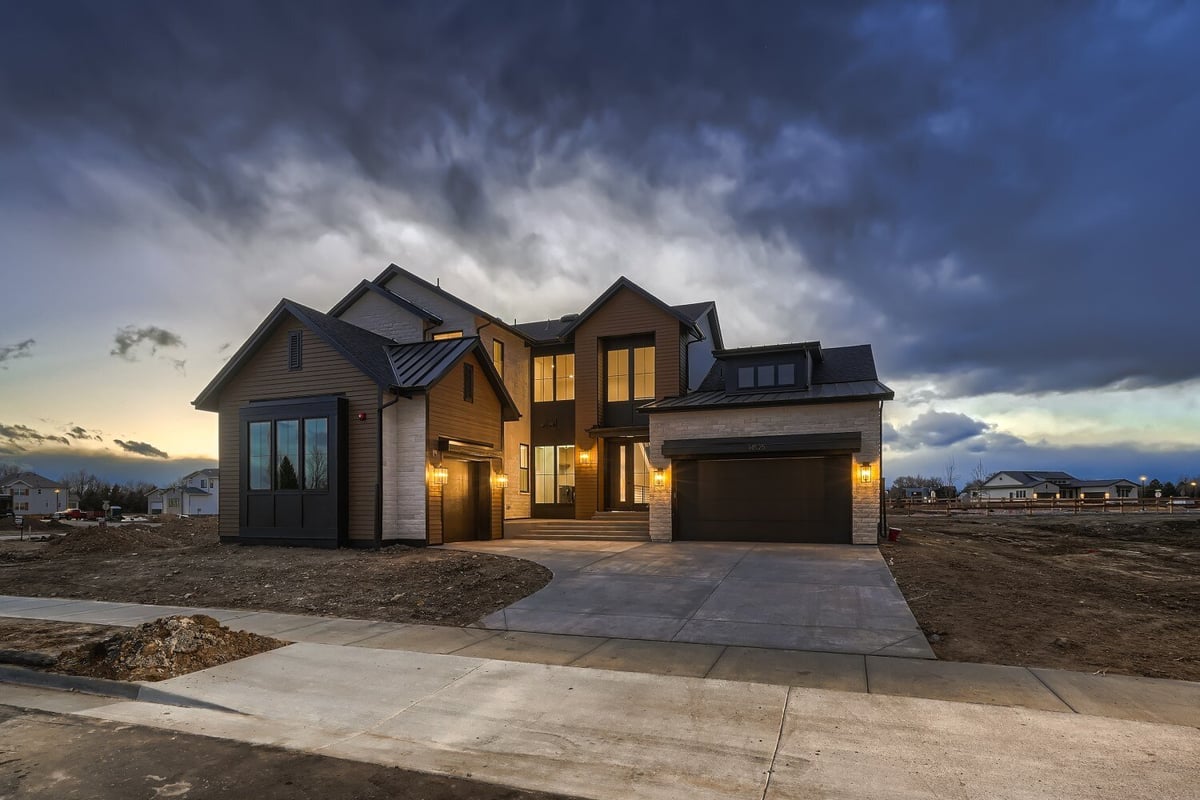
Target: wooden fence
column 1029, row 507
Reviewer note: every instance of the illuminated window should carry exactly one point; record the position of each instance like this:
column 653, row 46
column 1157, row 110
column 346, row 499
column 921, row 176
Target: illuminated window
column 543, row 379
column 498, row 356
column 564, row 376
column 618, row 375
column 554, row 474
column 643, row 373
column 554, row 378
column 523, row 469
column 437, row 337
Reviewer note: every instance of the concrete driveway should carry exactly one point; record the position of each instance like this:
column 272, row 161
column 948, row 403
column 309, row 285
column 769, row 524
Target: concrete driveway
column 831, row 598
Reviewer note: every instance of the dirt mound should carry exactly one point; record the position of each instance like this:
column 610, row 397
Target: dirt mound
column 164, row 648
column 110, row 539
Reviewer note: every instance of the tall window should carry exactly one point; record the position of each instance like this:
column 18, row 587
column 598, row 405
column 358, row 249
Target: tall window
column 316, row 454
column 618, row 375
column 643, row 373
column 554, row 472
column 554, row 378
column 260, row 455
column 523, row 468
column 287, row 454
column 498, row 356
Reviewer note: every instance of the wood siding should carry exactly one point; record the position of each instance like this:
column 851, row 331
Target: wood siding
column 451, row 416
column 324, row 371
column 625, row 314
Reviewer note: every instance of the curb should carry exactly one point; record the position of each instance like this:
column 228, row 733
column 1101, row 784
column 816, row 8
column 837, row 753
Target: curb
column 103, row 687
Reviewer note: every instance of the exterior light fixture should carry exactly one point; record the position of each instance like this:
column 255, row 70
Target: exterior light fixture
column 439, row 476
column 864, row 472
column 660, row 477
column 501, row 480
column 585, row 457
column 1106, row 495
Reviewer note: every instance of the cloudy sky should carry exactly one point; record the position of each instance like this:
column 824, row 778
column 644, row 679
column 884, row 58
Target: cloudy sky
column 1001, row 197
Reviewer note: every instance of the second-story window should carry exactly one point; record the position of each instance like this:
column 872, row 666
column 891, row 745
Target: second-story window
column 554, row 378
column 498, row 356
column 630, row 373
column 437, row 337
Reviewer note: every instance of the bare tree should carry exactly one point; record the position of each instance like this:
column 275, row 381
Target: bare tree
column 950, row 473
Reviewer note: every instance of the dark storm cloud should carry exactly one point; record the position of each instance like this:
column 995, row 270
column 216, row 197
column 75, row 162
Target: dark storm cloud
column 1008, row 189
column 80, row 432
column 8, row 352
column 140, row 448
column 128, row 338
column 944, row 429
column 15, row 438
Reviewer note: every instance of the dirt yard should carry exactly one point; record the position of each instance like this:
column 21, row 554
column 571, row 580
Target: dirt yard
column 182, row 563
column 1101, row 593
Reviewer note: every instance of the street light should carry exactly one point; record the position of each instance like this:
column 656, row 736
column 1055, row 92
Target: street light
column 56, row 491
column 1143, row 486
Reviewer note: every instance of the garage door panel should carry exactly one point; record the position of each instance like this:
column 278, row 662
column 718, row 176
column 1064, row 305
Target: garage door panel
column 764, row 499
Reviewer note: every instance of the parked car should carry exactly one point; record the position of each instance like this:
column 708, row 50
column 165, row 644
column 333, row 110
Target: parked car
column 75, row 513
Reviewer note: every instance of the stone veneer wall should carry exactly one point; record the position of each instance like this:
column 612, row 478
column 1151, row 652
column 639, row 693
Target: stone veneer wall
column 864, row 416
column 404, row 460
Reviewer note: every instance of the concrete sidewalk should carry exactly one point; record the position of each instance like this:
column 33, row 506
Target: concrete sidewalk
column 621, row 735
column 1115, row 696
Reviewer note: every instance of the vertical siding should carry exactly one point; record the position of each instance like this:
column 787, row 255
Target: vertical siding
column 266, row 377
column 450, row 415
column 625, row 314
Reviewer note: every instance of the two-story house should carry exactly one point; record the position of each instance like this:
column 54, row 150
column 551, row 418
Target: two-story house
column 35, row 495
column 406, row 414
column 196, row 495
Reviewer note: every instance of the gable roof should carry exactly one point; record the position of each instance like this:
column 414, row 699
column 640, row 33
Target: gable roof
column 624, row 283
column 698, row 311
column 406, row 369
column 393, row 270
column 33, row 480
column 365, row 286
column 845, row 374
column 1029, row 477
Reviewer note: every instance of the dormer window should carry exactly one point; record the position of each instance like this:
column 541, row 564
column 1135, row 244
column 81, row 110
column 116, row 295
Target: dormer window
column 766, row 376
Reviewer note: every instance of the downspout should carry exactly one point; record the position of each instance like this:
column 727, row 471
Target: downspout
column 379, row 462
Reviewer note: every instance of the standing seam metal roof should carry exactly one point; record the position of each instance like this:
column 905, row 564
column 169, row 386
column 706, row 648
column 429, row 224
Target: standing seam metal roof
column 419, row 364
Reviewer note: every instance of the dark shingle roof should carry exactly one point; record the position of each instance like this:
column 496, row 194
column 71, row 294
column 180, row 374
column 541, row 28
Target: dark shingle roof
column 365, row 286
column 544, row 331
column 845, row 373
column 624, row 283
column 693, row 311
column 361, row 346
column 34, row 480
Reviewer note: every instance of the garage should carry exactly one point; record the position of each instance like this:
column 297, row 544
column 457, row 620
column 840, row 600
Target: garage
column 764, row 499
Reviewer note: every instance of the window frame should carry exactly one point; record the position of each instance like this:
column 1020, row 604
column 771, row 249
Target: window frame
column 550, row 386
column 498, row 357
column 523, row 468
column 444, row 335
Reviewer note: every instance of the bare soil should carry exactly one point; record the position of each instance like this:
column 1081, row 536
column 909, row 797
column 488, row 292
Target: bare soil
column 183, row 563
column 1100, row 593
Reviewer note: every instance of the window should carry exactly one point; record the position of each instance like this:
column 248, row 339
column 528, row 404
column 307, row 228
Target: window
column 554, row 468
column 287, row 454
column 787, row 374
column 643, row 373
column 554, row 378
column 437, row 337
column 469, row 383
column 295, row 349
column 766, row 375
column 618, row 375
column 260, row 455
column 1122, row 491
column 745, row 377
column 523, row 468
column 316, row 454
column 498, row 356
column 172, row 502
column 203, row 483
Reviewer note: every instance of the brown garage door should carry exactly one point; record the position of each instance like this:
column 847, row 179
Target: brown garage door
column 763, row 499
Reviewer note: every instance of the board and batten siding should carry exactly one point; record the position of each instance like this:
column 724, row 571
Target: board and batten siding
column 449, row 415
column 626, row 313
column 265, row 376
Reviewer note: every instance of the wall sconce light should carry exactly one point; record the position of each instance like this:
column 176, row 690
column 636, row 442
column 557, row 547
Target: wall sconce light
column 439, row 476
column 501, row 480
column 660, row 478
column 864, row 472
column 585, row 457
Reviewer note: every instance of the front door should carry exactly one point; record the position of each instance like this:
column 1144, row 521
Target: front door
column 460, row 509
column 627, row 475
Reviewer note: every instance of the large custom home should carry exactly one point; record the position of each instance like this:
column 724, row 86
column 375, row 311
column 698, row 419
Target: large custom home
column 1043, row 484
column 406, row 414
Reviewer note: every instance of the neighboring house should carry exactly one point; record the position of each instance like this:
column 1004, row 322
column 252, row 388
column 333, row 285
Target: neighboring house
column 1043, row 485
column 31, row 494
column 431, row 420
column 196, row 495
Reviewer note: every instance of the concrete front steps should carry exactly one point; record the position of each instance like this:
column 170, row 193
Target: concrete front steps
column 609, row 526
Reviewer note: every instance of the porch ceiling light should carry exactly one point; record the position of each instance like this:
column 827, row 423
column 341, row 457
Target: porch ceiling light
column 439, row 476
column 864, row 472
